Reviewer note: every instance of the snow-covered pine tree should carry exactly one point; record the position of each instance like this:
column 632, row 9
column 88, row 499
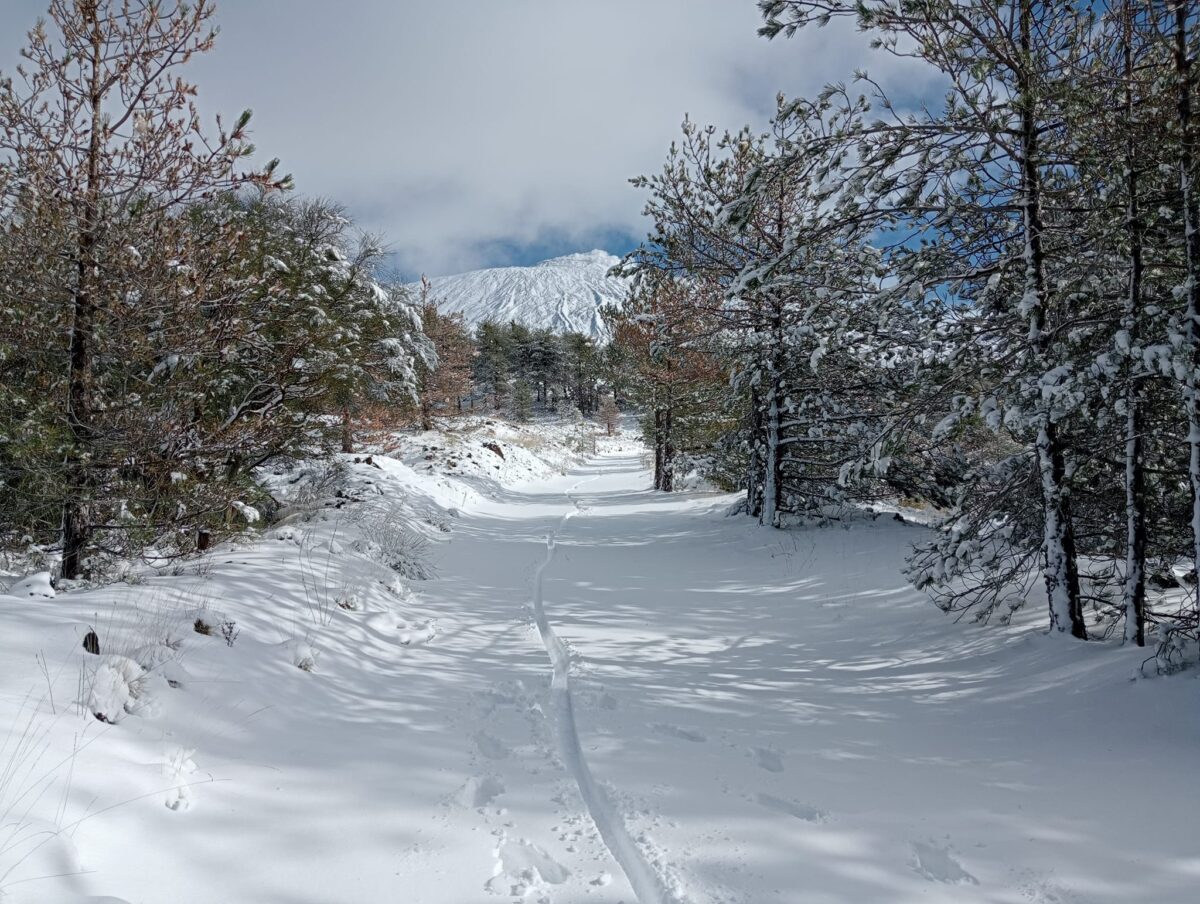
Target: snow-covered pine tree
column 492, row 365
column 610, row 414
column 692, row 241
column 99, row 124
column 446, row 383
column 669, row 374
column 817, row 353
column 522, row 401
column 582, row 367
column 1182, row 25
column 980, row 182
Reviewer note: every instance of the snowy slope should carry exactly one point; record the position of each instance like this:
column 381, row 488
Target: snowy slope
column 564, row 294
column 605, row 695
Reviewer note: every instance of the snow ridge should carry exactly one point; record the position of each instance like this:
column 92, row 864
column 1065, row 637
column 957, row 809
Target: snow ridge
column 646, row 883
column 565, row 294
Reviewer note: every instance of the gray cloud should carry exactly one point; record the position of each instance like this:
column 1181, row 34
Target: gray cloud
column 465, row 131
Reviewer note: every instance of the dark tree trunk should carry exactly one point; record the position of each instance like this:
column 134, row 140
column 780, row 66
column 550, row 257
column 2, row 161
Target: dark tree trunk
column 754, row 462
column 1191, row 238
column 1135, row 479
column 76, row 522
column 1059, row 562
column 668, row 449
column 658, row 448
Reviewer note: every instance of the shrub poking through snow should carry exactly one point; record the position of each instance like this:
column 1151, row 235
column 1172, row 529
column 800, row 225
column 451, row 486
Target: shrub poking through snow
column 118, row 687
column 229, row 631
column 390, row 540
column 303, row 655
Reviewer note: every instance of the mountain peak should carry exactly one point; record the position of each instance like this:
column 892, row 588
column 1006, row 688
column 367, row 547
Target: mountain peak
column 595, row 256
column 564, row 294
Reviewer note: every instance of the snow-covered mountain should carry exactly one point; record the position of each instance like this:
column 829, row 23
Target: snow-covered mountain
column 564, row 293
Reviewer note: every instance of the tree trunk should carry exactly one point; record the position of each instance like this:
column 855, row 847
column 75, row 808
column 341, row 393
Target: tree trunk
column 1060, row 567
column 1191, row 284
column 668, row 453
column 772, row 482
column 754, row 462
column 1135, row 482
column 76, row 525
column 347, row 432
column 658, row 448
column 1135, row 523
column 770, row 502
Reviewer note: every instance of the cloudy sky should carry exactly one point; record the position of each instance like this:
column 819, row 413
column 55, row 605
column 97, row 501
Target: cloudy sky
column 491, row 132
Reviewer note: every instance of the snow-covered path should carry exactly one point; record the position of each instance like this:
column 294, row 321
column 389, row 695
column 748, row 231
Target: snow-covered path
column 780, row 717
column 648, row 883
column 710, row 713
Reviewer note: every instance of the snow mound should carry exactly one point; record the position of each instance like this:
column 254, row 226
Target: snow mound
column 35, row 586
column 120, row 687
column 937, row 864
column 476, row 455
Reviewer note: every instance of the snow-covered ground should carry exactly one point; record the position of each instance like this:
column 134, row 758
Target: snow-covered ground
column 604, row 694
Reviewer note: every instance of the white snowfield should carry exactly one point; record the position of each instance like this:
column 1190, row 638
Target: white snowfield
column 606, row 695
column 564, row 294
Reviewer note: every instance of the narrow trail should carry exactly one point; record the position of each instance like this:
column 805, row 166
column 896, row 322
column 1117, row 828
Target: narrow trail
column 645, row 881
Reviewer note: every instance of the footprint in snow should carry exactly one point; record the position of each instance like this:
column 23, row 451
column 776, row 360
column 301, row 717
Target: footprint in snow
column 1042, row 890
column 676, row 731
column 419, row 634
column 407, row 634
column 479, row 792
column 937, row 864
column 791, row 808
column 179, row 768
column 767, row 759
column 523, row 867
column 490, row 746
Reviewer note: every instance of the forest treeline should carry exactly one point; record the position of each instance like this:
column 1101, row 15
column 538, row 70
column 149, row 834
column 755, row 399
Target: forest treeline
column 173, row 317
column 989, row 302
column 986, row 305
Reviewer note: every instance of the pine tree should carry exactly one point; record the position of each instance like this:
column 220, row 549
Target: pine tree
column 448, row 382
column 610, row 414
column 667, row 373
column 522, row 401
column 101, row 127
column 492, row 365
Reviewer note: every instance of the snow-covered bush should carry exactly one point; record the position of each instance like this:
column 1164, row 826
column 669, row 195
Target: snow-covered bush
column 387, row 537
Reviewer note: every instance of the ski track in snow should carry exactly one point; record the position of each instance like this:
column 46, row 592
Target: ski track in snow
column 646, row 883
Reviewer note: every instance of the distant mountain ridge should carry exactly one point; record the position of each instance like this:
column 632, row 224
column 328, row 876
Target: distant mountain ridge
column 564, row 294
